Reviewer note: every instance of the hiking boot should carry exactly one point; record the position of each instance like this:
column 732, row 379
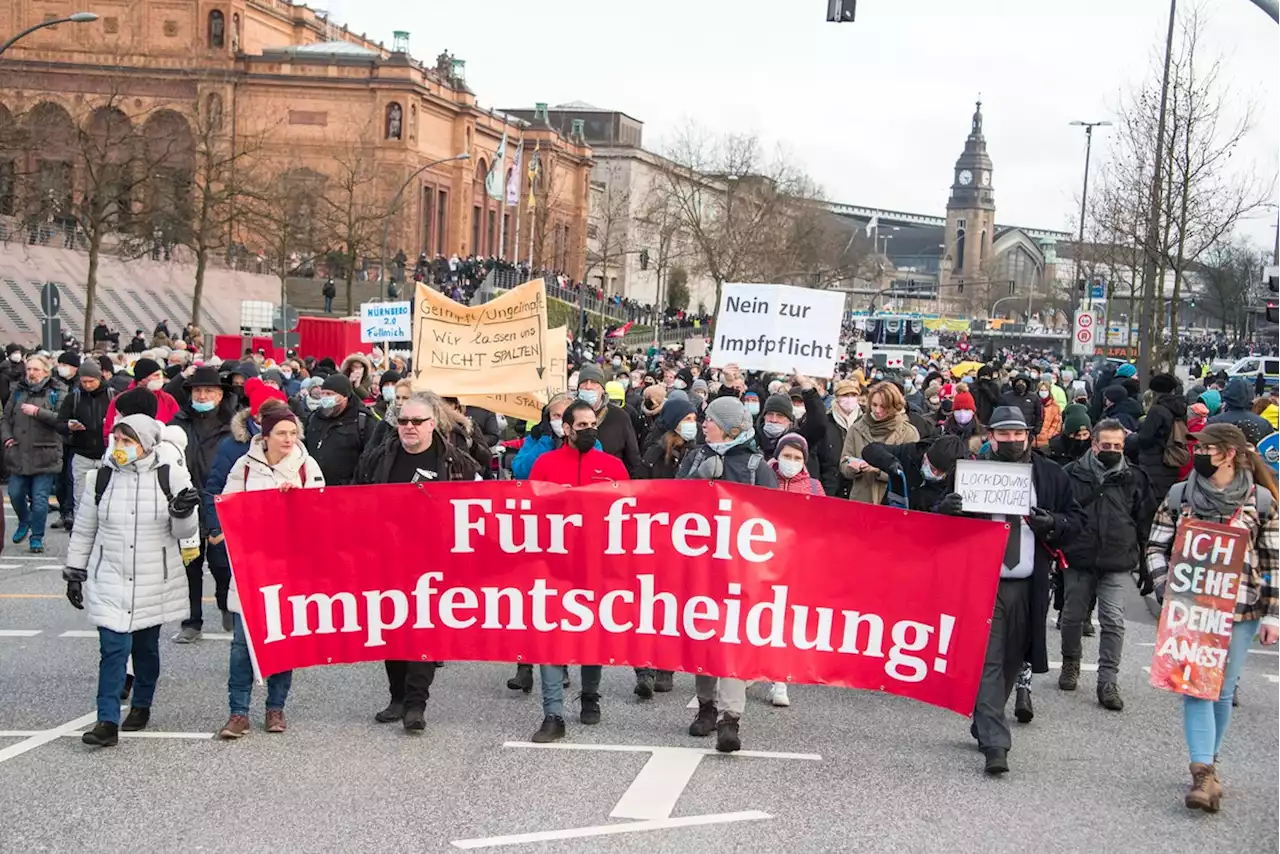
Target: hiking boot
column 778, row 695
column 727, row 738
column 392, row 713
column 275, row 720
column 1087, row 629
column 1022, row 708
column 1109, row 697
column 37, row 546
column 188, row 634
column 21, row 534
column 997, row 761
column 237, row 726
column 523, row 680
column 552, row 729
column 228, row 621
column 415, row 719
column 644, row 685
column 705, row 722
column 664, row 682
column 590, row 714
column 136, row 719
column 1069, row 679
column 128, row 687
column 103, row 734
column 1205, row 793
column 56, row 524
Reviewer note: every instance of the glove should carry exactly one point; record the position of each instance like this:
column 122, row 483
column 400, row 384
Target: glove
column 1143, row 578
column 895, row 468
column 184, row 503
column 75, row 595
column 1040, row 521
column 189, row 555
column 951, row 504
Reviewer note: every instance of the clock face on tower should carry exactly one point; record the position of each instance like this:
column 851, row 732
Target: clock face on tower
column 986, row 179
column 966, row 177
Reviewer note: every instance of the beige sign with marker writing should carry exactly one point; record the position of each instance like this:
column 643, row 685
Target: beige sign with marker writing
column 528, row 405
column 500, row 347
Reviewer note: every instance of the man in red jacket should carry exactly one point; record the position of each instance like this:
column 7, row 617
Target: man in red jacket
column 576, row 463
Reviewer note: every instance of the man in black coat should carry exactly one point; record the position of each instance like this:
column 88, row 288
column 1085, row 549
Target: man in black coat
column 1118, row 405
column 80, row 417
column 339, row 431
column 1023, row 396
column 929, row 467
column 1117, row 502
column 986, row 393
column 1022, row 600
column 1168, row 409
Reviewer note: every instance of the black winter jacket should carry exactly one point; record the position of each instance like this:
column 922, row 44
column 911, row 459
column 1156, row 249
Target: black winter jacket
column 922, row 494
column 452, row 463
column 337, row 442
column 205, row 432
column 1117, row 518
column 618, row 437
column 90, row 409
column 1153, row 437
column 1029, row 403
column 1237, row 398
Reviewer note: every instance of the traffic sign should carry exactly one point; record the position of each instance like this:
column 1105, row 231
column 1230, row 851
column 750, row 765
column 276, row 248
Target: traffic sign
column 1098, row 289
column 1269, row 448
column 1083, row 337
column 50, row 299
column 51, row 334
column 285, row 340
column 385, row 321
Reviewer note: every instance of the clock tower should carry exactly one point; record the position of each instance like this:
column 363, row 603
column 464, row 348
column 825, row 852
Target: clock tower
column 971, row 211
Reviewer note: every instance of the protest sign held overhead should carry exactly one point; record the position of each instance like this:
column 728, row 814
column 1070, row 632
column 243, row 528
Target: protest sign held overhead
column 385, row 321
column 778, row 328
column 500, row 347
column 987, row 486
column 1205, row 568
column 527, row 405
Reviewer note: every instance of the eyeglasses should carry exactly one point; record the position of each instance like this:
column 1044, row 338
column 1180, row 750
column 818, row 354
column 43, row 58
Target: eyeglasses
column 416, row 422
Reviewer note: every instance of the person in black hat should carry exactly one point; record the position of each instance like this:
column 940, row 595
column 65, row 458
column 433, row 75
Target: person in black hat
column 206, row 420
column 386, row 393
column 929, row 467
column 339, row 431
column 1018, row 632
column 1162, row 437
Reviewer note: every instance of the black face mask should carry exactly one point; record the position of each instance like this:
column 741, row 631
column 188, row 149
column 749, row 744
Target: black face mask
column 1110, row 459
column 1203, row 465
column 1009, row 452
column 585, row 439
column 1020, row 387
column 1076, row 447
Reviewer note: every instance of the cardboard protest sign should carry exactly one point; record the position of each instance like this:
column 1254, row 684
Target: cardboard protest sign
column 993, row 487
column 778, row 328
column 1205, row 568
column 527, row 405
column 500, row 347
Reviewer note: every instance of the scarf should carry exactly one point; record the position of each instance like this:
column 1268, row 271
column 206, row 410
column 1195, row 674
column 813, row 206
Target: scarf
column 881, row 430
column 845, row 420
column 1098, row 470
column 1209, row 502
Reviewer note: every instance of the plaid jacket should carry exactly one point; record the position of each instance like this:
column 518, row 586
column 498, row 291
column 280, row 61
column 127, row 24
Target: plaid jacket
column 1259, row 598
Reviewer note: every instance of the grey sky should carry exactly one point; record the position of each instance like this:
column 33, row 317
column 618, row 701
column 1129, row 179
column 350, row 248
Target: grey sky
column 877, row 111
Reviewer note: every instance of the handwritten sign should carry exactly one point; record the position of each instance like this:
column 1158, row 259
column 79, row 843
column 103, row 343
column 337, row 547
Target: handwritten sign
column 987, row 486
column 1205, row 568
column 385, row 321
column 527, row 405
column 500, row 347
column 778, row 328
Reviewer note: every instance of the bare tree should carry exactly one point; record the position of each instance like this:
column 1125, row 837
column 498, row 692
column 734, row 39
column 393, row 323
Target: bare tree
column 1231, row 276
column 609, row 225
column 355, row 202
column 283, row 216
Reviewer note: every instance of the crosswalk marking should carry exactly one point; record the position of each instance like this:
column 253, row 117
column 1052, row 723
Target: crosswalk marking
column 19, row 633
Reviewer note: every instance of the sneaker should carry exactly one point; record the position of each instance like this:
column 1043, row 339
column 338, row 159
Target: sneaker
column 128, row 687
column 778, row 695
column 275, row 720
column 552, row 729
column 188, row 634
column 237, row 726
column 228, row 621
column 727, row 738
column 705, row 723
column 1109, row 697
column 136, row 719
column 1022, row 708
column 664, row 682
column 21, row 534
column 103, row 734
column 392, row 713
column 523, row 680
column 37, row 546
column 644, row 686
column 1088, row 630
column 56, row 524
column 997, row 761
column 590, row 714
column 415, row 719
column 1069, row 678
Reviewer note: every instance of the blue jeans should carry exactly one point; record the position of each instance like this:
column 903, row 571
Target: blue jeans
column 29, row 495
column 552, row 677
column 1205, row 722
column 240, row 677
column 114, row 649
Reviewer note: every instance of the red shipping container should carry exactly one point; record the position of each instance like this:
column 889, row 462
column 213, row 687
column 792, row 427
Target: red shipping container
column 329, row 337
column 228, row 346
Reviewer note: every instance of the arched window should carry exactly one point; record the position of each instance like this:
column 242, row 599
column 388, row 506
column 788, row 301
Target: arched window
column 217, row 29
column 395, row 121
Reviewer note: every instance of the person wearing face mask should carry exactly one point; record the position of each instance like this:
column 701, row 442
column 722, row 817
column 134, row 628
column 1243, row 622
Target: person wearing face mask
column 80, row 417
column 575, row 463
column 1024, row 397
column 339, row 430
column 1018, row 622
column 308, row 399
column 386, row 394
column 1230, row 484
column 206, row 421
column 928, row 467
column 885, row 421
column 790, row 464
column 1118, row 505
column 32, row 449
column 547, row 435
column 650, row 406
column 985, row 388
column 1051, row 426
column 613, row 427
column 845, row 410
column 12, row 371
column 147, row 374
column 1056, row 391
column 1118, row 405
column 1074, row 439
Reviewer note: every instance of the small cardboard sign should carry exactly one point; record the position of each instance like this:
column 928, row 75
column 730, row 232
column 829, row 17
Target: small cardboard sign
column 1206, row 565
column 987, row 486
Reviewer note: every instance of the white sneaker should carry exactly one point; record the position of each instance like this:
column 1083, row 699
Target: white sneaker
column 778, row 694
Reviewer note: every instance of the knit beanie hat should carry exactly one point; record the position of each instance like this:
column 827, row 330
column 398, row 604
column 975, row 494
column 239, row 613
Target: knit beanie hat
column 730, row 415
column 1212, row 398
column 89, row 368
column 1126, row 370
column 144, row 368
column 1074, row 419
column 137, row 401
column 338, row 383
column 259, row 393
column 794, row 440
column 1163, row 384
column 613, row 390
column 700, row 385
column 273, row 410
column 106, row 366
column 678, row 394
column 1198, row 408
column 1115, row 393
column 779, row 403
column 389, row 378
column 673, row 412
column 590, row 373
column 69, row 357
column 964, row 400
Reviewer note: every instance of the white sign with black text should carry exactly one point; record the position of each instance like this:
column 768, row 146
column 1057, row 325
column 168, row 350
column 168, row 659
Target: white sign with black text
column 987, row 486
column 778, row 328
column 385, row 321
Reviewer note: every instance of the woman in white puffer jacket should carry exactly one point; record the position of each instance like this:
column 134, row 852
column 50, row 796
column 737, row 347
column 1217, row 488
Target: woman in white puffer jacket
column 276, row 459
column 125, row 565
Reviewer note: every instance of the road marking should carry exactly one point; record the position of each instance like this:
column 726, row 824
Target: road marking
column 28, row 733
column 655, row 790
column 611, row 829
column 19, row 633
column 10, row 566
column 1084, row 668
column 649, row 748
column 31, row 743
column 80, row 633
column 31, row 596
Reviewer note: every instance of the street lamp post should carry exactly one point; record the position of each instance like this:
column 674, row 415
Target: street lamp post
column 395, row 202
column 77, row 18
column 1084, row 195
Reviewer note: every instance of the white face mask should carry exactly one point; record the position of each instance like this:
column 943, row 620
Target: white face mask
column 557, row 427
column 963, row 416
column 66, row 371
column 797, row 412
column 790, row 468
column 15, row 357
column 688, row 429
column 847, row 403
column 155, row 385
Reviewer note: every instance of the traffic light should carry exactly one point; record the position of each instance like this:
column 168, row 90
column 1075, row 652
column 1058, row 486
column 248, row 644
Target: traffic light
column 841, row 11
column 1080, row 288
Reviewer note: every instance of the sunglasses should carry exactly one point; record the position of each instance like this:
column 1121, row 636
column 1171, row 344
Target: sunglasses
column 416, row 422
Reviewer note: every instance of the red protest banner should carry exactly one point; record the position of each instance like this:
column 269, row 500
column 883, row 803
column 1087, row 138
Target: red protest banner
column 1205, row 566
column 693, row 576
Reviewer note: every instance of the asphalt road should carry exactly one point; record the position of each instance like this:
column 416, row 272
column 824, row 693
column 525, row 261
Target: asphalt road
column 862, row 772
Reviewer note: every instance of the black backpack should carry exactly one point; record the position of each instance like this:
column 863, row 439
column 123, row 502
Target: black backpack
column 104, row 479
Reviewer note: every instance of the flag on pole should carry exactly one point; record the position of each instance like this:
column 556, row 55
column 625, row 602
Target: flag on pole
column 493, row 182
column 513, row 183
column 534, row 165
